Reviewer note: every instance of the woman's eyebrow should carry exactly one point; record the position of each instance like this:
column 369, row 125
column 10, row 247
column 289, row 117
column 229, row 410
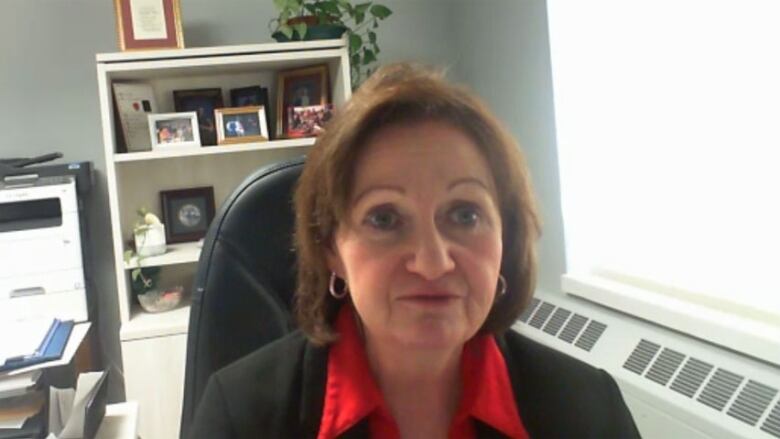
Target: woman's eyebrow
column 370, row 189
column 468, row 180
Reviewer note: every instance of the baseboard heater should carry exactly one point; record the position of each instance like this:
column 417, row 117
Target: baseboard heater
column 676, row 386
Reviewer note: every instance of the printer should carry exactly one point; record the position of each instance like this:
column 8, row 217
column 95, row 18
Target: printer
column 41, row 264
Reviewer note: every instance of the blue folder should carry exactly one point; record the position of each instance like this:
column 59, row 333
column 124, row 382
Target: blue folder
column 51, row 348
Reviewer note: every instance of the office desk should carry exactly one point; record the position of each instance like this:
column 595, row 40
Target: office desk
column 120, row 422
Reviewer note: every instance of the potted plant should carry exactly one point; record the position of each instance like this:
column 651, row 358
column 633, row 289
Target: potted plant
column 319, row 19
column 149, row 240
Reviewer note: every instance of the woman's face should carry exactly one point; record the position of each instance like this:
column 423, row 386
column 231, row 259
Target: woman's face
column 421, row 247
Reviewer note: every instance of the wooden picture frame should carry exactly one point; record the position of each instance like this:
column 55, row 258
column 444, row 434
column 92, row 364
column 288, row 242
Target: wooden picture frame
column 241, row 125
column 202, row 101
column 187, row 213
column 174, row 131
column 148, row 24
column 300, row 88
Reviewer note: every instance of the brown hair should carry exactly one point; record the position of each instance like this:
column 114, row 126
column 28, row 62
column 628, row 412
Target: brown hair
column 407, row 94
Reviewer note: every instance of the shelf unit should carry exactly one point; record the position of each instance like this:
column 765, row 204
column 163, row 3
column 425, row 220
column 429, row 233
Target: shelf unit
column 224, row 149
column 135, row 179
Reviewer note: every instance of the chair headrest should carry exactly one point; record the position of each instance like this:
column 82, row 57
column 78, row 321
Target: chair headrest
column 257, row 222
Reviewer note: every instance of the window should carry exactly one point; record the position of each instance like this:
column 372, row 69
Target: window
column 668, row 131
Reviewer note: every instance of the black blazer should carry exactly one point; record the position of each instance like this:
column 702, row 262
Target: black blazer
column 278, row 392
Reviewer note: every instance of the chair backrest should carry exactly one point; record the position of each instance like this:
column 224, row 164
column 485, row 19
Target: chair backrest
column 243, row 289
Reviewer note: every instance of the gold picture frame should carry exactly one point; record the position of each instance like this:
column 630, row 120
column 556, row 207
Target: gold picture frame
column 160, row 29
column 241, row 125
column 292, row 84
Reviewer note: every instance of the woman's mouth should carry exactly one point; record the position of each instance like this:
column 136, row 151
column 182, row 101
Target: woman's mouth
column 431, row 300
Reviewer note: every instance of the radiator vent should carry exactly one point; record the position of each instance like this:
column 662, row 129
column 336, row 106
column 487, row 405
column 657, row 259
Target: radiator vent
column 529, row 310
column 691, row 377
column 752, row 402
column 591, row 335
column 772, row 423
column 665, row 366
column 541, row 315
column 639, row 359
column 550, row 318
column 556, row 322
column 720, row 390
column 573, row 328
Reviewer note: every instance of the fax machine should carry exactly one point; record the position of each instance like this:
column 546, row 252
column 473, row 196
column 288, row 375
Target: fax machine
column 41, row 265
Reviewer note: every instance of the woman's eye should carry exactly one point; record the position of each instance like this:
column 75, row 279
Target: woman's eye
column 465, row 215
column 384, row 219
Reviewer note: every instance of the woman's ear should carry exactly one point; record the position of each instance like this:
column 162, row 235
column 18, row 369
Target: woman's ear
column 333, row 259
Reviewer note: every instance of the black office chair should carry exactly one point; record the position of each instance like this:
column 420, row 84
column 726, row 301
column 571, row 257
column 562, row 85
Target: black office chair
column 243, row 289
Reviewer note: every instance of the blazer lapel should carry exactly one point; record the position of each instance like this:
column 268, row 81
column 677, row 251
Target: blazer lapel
column 485, row 431
column 315, row 372
column 529, row 394
column 357, row 431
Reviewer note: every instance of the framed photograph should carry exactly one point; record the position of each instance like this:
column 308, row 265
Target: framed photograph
column 241, row 125
column 148, row 24
column 308, row 121
column 300, row 88
column 251, row 96
column 187, row 213
column 203, row 102
column 174, row 131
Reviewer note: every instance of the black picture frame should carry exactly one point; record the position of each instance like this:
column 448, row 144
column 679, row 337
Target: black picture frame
column 187, row 213
column 202, row 101
column 251, row 96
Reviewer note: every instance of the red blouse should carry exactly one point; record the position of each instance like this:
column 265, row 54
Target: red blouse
column 352, row 395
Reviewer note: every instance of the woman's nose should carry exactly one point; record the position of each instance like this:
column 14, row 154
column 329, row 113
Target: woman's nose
column 431, row 256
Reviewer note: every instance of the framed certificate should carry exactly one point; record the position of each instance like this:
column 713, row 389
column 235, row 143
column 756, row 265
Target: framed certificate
column 148, row 24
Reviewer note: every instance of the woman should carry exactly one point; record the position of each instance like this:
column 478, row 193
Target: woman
column 415, row 234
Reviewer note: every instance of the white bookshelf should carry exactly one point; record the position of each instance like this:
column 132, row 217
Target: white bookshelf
column 145, row 325
column 182, row 253
column 220, row 149
column 153, row 345
column 243, row 49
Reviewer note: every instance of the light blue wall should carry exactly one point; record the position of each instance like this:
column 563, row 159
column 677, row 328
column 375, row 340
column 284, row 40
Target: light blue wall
column 503, row 53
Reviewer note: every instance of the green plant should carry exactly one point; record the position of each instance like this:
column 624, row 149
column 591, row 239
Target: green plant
column 360, row 21
column 142, row 279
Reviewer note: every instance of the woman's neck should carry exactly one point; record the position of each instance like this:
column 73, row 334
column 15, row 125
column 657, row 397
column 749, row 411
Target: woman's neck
column 422, row 388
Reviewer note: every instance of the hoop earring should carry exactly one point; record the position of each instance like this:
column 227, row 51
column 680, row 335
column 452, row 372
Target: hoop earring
column 502, row 285
column 332, row 287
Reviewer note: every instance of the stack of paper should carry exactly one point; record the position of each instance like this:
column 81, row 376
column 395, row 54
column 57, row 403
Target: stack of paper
column 19, row 384
column 22, row 406
column 32, row 348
